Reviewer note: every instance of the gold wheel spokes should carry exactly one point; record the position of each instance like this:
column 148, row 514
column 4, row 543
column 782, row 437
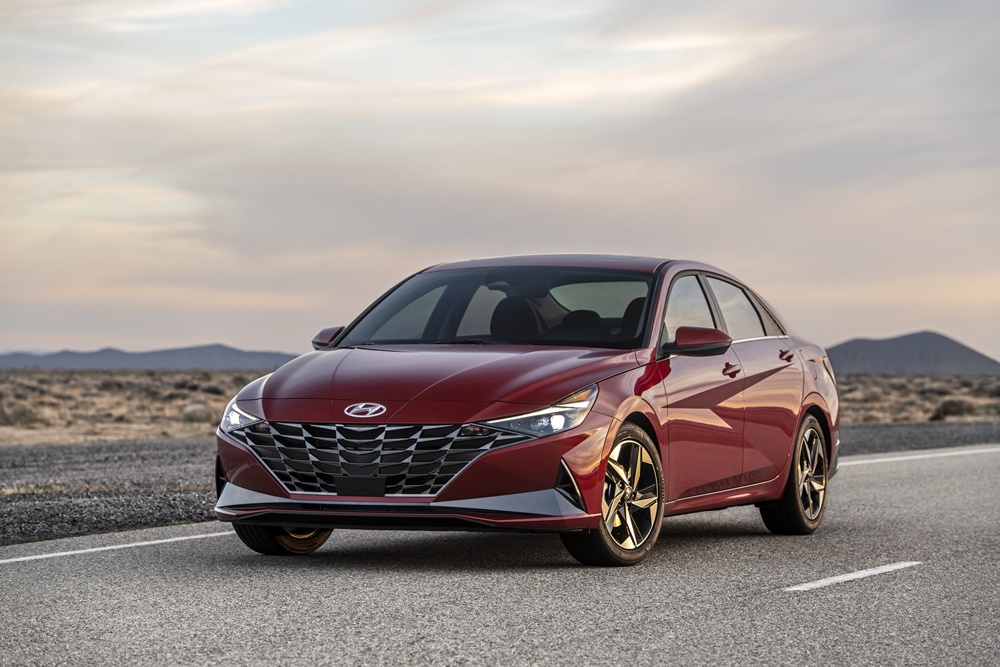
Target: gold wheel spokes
column 301, row 533
column 812, row 474
column 631, row 495
column 618, row 473
column 611, row 511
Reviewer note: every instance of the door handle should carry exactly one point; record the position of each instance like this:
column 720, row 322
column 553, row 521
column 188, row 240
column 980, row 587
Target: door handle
column 731, row 370
column 786, row 355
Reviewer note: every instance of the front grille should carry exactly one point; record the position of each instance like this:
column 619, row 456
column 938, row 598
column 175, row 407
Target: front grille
column 411, row 459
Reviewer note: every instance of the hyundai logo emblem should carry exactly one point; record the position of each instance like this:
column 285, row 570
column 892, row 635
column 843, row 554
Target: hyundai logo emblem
column 364, row 410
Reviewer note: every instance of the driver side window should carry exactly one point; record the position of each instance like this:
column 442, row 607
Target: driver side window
column 686, row 307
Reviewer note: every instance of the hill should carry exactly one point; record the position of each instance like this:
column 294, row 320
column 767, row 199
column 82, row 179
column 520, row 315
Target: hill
column 203, row 357
column 923, row 353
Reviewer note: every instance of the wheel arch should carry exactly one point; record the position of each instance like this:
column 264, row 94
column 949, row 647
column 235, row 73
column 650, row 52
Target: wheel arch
column 815, row 407
column 637, row 411
column 643, row 422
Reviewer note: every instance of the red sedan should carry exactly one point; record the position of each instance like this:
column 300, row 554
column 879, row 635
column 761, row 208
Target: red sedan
column 587, row 395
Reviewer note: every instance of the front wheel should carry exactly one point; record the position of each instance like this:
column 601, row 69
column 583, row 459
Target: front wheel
column 800, row 510
column 277, row 541
column 631, row 508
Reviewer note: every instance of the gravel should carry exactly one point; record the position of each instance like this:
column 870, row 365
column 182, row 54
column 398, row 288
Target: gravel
column 53, row 491
column 875, row 438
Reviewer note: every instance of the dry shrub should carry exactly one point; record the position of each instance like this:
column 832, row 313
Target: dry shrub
column 872, row 396
column 901, row 386
column 953, row 407
column 18, row 414
column 198, row 412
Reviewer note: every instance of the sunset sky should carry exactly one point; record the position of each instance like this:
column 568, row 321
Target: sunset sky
column 250, row 171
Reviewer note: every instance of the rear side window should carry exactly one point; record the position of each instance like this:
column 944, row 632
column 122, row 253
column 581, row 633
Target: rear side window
column 742, row 320
column 687, row 307
column 771, row 325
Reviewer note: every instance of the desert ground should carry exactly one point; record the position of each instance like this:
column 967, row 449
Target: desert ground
column 50, row 406
column 87, row 406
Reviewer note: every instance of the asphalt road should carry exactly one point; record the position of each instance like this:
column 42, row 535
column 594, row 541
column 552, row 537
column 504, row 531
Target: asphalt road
column 712, row 592
column 62, row 490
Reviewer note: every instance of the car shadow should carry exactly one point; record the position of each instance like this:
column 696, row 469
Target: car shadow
column 475, row 551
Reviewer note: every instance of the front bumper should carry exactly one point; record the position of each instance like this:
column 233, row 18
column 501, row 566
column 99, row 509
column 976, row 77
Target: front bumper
column 515, row 487
column 545, row 510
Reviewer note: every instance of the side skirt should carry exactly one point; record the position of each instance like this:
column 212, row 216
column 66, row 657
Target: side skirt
column 751, row 494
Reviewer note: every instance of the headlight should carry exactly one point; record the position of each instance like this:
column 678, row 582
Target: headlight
column 234, row 418
column 564, row 415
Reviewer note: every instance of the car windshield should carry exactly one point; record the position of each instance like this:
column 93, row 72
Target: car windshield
column 577, row 307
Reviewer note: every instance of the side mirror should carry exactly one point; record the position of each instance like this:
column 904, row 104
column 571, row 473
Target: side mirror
column 699, row 342
column 322, row 340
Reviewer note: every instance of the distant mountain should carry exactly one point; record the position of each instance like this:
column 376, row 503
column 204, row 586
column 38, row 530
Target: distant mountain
column 204, row 357
column 924, row 353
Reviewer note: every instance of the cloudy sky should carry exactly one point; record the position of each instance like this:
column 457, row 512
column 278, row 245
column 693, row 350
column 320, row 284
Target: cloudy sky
column 249, row 171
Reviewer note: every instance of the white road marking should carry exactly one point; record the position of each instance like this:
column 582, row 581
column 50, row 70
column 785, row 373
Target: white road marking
column 912, row 457
column 59, row 554
column 861, row 574
column 800, row 587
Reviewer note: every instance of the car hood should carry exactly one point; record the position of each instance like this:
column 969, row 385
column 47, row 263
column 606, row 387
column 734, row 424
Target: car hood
column 439, row 375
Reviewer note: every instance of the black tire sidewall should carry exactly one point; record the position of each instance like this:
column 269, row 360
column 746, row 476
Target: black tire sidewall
column 809, row 422
column 628, row 556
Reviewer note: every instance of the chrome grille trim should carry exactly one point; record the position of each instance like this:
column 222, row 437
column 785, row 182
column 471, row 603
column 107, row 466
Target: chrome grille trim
column 414, row 459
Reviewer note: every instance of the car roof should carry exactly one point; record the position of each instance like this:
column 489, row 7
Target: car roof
column 621, row 262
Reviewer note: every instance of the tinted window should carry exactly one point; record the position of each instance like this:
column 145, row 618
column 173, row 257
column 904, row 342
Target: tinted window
column 476, row 321
column 411, row 320
column 771, row 326
column 609, row 300
column 687, row 307
column 570, row 306
column 742, row 320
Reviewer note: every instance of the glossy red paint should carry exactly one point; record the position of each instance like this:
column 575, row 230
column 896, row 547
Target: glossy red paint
column 325, row 337
column 535, row 465
column 701, row 341
column 705, row 417
column 402, row 373
column 772, row 401
column 725, row 425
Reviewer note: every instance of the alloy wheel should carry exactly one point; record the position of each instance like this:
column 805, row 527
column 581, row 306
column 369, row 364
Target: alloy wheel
column 812, row 477
column 301, row 533
column 631, row 495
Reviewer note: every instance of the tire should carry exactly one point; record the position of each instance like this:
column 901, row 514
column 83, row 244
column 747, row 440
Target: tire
column 800, row 509
column 631, row 507
column 278, row 541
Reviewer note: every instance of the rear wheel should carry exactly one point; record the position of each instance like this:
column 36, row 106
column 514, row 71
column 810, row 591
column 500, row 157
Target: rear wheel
column 278, row 541
column 800, row 510
column 631, row 508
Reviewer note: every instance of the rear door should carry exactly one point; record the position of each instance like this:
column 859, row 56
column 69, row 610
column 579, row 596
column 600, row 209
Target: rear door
column 704, row 410
column 772, row 373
